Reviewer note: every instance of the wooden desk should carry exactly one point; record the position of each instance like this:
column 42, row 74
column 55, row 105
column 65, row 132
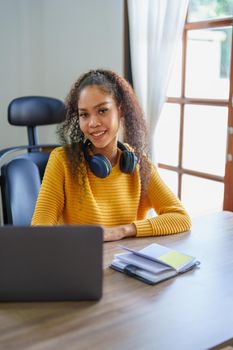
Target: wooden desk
column 191, row 311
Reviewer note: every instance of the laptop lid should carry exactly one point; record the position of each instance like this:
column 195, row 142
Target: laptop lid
column 51, row 263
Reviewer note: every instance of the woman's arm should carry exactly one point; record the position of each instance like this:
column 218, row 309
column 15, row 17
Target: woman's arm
column 50, row 200
column 118, row 232
column 171, row 216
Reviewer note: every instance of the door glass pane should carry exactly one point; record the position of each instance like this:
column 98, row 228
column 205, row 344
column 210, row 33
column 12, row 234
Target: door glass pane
column 201, row 196
column 200, row 10
column 166, row 139
column 205, row 136
column 208, row 63
column 174, row 86
column 170, row 178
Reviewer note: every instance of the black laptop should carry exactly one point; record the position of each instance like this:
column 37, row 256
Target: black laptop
column 50, row 263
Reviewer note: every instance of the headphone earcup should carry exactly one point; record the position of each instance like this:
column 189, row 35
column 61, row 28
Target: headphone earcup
column 128, row 162
column 99, row 165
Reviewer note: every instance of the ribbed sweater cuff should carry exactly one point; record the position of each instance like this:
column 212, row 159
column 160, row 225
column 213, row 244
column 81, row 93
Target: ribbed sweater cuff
column 144, row 228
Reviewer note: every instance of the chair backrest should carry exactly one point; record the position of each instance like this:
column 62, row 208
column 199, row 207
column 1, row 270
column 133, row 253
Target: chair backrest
column 20, row 188
column 21, row 176
column 40, row 159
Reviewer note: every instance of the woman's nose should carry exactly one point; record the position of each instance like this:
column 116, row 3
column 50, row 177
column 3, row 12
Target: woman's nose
column 94, row 121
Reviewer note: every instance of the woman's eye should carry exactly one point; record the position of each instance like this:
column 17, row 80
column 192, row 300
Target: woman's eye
column 103, row 110
column 82, row 115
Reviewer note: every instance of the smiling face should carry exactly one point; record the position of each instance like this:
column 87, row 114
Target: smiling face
column 99, row 119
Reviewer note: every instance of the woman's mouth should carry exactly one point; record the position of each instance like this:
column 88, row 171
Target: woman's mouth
column 98, row 134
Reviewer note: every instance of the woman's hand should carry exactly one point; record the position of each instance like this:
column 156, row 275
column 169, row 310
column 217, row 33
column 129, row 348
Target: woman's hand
column 118, row 232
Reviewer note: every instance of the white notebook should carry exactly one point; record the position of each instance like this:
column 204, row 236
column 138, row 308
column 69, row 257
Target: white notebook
column 153, row 263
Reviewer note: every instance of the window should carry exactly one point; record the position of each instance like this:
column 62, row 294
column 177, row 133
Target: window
column 197, row 119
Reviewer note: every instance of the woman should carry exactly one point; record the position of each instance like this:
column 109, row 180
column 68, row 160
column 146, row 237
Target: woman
column 95, row 179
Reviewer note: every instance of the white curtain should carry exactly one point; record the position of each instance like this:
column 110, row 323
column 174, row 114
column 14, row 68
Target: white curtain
column 155, row 28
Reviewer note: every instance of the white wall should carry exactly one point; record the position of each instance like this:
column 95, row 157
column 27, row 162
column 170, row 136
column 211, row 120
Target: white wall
column 46, row 44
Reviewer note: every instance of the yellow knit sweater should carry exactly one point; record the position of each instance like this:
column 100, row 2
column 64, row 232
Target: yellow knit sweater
column 114, row 200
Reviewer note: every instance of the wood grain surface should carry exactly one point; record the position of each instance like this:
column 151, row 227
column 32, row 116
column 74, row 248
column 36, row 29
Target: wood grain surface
column 192, row 311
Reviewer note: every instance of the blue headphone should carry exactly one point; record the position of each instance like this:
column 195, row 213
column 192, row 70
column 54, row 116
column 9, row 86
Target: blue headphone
column 101, row 165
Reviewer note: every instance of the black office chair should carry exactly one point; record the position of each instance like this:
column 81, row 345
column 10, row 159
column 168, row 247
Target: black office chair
column 21, row 175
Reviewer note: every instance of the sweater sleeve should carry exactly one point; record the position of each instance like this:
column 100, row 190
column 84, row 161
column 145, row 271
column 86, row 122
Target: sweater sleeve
column 171, row 215
column 50, row 200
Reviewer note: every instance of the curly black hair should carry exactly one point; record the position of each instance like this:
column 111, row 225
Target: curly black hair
column 134, row 124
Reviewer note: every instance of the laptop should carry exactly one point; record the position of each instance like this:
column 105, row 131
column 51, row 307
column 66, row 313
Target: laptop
column 51, row 263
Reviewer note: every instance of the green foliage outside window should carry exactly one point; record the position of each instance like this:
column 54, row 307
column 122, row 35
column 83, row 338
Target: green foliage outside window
column 205, row 9
column 200, row 10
